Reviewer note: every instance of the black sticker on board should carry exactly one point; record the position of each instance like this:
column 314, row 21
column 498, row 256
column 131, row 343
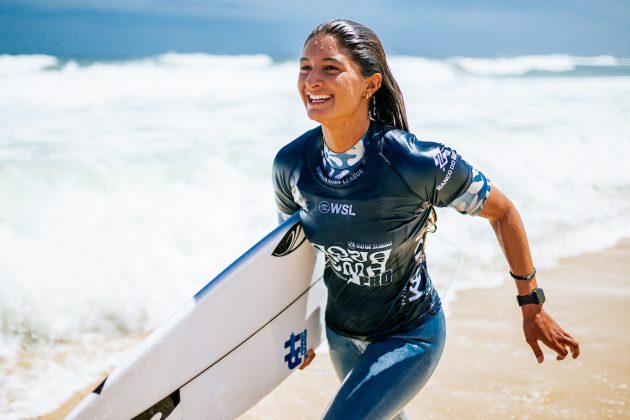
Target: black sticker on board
column 164, row 407
column 99, row 388
column 290, row 242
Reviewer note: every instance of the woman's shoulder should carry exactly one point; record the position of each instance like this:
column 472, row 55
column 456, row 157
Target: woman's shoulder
column 402, row 145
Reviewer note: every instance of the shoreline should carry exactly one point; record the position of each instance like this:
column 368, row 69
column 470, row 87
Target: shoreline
column 487, row 370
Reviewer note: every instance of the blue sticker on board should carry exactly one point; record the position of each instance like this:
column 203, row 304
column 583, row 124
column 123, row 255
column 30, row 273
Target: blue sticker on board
column 297, row 349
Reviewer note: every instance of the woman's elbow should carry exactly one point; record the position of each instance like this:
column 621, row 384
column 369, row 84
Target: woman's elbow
column 498, row 207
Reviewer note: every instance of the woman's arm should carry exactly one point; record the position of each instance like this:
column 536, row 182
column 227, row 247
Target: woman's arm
column 537, row 324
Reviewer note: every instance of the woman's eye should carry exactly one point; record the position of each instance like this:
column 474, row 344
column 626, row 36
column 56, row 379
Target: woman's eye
column 330, row 68
column 305, row 68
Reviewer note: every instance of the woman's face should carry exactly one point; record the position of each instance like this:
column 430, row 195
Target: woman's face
column 331, row 84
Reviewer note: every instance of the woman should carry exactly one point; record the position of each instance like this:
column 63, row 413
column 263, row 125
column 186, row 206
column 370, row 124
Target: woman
column 366, row 191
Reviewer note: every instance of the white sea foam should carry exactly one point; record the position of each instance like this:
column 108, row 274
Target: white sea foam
column 125, row 186
column 517, row 66
column 21, row 64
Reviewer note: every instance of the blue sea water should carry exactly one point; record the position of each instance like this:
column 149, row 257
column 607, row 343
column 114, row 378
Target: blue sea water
column 125, row 185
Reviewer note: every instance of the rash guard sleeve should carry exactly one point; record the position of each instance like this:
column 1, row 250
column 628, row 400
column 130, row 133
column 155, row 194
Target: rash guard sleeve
column 452, row 175
column 459, row 185
column 474, row 198
column 283, row 178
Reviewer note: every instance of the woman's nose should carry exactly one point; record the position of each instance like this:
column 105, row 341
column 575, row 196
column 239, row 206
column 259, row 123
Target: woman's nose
column 313, row 79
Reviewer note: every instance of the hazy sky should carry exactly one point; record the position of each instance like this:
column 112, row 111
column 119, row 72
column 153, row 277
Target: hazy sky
column 119, row 28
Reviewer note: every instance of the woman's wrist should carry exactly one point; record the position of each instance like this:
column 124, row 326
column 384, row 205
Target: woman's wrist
column 525, row 277
column 531, row 310
column 524, row 288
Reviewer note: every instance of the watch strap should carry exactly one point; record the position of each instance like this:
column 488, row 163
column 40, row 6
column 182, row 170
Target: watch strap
column 537, row 297
column 525, row 300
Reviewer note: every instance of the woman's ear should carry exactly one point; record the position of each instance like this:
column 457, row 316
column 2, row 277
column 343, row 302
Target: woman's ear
column 374, row 83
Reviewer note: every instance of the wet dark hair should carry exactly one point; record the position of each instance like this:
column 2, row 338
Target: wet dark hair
column 387, row 104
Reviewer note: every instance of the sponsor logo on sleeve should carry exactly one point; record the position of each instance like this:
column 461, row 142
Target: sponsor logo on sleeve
column 441, row 159
column 296, row 344
column 451, row 168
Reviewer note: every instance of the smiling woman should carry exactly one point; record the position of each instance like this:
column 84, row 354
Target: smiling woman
column 385, row 324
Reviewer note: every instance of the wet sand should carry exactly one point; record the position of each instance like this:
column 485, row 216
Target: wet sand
column 488, row 371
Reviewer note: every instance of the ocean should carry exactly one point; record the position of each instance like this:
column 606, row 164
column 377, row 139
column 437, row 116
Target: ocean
column 125, row 185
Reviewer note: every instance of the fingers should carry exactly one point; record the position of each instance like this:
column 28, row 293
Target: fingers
column 559, row 345
column 561, row 355
column 537, row 351
column 543, row 328
column 308, row 358
column 555, row 345
column 573, row 345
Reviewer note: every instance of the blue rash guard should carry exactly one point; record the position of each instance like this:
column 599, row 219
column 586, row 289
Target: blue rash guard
column 371, row 223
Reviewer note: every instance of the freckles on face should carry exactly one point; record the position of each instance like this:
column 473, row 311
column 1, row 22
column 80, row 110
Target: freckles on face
column 330, row 82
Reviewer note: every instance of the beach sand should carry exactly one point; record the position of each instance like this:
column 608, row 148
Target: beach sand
column 488, row 371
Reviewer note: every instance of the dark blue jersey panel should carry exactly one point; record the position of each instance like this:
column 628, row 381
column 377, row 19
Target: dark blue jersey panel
column 370, row 224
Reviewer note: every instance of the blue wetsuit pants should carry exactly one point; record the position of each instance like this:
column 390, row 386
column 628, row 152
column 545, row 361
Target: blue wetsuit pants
column 380, row 377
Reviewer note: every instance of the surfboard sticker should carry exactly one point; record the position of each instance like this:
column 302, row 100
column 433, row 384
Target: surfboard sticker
column 296, row 345
column 291, row 241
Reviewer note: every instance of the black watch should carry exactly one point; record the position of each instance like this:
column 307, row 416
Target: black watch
column 537, row 297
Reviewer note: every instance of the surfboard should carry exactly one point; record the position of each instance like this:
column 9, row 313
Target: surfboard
column 238, row 338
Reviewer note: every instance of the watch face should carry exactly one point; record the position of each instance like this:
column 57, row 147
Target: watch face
column 540, row 295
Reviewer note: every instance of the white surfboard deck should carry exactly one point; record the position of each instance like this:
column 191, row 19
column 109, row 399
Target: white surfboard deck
column 230, row 345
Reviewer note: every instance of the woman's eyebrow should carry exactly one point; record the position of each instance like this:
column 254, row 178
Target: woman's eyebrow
column 323, row 59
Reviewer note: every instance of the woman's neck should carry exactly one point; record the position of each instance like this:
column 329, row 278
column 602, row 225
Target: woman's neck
column 341, row 137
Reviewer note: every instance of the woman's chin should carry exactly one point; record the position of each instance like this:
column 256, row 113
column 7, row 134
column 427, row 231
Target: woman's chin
column 316, row 116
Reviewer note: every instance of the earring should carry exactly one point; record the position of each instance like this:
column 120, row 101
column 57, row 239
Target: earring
column 367, row 96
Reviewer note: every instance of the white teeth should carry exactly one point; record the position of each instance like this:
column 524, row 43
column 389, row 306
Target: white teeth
column 319, row 97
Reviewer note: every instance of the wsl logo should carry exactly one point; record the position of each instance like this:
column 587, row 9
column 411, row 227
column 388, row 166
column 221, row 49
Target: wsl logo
column 336, row 208
column 324, row 207
column 296, row 344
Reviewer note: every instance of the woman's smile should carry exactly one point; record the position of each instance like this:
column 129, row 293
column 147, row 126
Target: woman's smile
column 318, row 99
